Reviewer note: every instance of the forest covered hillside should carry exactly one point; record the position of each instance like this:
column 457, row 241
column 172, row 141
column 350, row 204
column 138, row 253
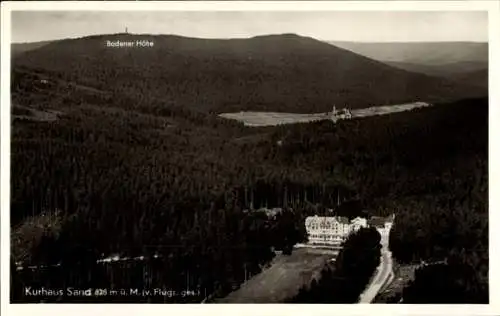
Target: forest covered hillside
column 285, row 73
column 477, row 77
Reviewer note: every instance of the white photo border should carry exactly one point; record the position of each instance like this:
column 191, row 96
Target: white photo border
column 493, row 308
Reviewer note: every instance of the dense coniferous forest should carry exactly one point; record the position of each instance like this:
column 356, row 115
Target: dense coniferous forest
column 122, row 171
column 450, row 283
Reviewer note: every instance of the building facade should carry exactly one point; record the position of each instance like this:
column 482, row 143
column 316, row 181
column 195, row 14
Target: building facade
column 331, row 230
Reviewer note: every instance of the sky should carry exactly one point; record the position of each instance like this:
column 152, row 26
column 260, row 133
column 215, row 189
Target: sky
column 357, row 26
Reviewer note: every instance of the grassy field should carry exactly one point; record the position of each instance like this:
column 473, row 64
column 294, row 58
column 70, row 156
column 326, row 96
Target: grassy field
column 283, row 279
column 275, row 118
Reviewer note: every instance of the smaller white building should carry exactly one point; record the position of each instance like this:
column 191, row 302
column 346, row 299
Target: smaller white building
column 357, row 223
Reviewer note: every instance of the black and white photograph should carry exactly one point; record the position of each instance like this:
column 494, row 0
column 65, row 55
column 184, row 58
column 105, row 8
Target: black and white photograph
column 248, row 156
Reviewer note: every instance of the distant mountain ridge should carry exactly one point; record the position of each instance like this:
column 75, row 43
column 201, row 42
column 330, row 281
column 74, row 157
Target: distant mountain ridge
column 426, row 53
column 465, row 62
column 447, row 69
column 19, row 48
column 284, row 72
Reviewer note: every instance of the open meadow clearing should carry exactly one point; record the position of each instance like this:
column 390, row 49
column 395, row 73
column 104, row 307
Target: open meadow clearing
column 257, row 119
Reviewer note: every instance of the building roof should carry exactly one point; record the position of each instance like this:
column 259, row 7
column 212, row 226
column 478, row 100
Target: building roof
column 378, row 221
column 318, row 219
column 359, row 219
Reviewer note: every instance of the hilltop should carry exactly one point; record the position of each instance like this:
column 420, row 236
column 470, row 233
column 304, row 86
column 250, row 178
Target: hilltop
column 285, row 72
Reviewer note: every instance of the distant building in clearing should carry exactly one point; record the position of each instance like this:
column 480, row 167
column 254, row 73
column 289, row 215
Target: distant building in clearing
column 331, row 230
column 343, row 114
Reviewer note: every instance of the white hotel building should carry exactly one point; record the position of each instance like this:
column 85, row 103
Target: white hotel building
column 331, row 230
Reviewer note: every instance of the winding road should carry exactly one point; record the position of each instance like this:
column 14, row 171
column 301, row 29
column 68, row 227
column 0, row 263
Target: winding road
column 383, row 274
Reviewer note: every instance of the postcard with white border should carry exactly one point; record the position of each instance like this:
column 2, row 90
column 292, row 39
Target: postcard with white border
column 261, row 158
